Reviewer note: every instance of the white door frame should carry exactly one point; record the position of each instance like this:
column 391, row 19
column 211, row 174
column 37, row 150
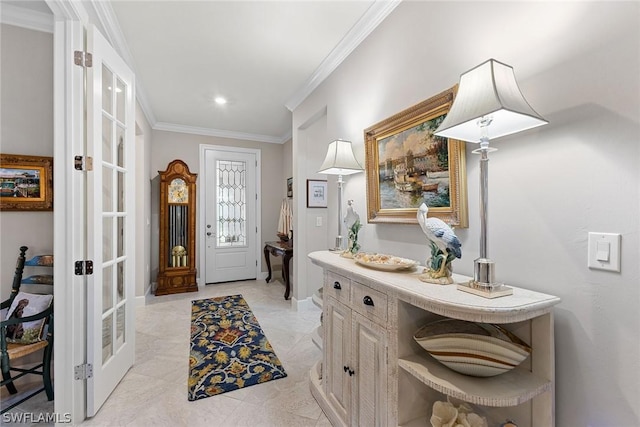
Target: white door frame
column 202, row 244
column 68, row 214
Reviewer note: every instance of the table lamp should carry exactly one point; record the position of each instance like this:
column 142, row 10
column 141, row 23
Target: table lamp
column 488, row 105
column 340, row 161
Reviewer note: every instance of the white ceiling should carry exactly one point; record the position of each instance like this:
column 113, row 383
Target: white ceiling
column 255, row 54
column 264, row 56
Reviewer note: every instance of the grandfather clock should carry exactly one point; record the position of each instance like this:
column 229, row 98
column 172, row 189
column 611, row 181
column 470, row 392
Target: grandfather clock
column 177, row 268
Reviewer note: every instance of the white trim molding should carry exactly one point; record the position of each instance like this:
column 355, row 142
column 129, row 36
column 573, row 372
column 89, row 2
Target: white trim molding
column 378, row 11
column 170, row 127
column 26, row 18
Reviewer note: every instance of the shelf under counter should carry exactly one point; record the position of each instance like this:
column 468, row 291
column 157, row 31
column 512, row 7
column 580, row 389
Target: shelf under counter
column 509, row 389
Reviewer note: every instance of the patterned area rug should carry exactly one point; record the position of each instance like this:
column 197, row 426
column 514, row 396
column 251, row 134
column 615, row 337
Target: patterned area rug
column 228, row 348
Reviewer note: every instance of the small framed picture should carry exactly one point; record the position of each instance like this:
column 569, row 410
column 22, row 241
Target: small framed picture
column 316, row 193
column 290, row 187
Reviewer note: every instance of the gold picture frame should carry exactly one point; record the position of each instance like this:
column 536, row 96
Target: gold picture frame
column 407, row 165
column 26, row 183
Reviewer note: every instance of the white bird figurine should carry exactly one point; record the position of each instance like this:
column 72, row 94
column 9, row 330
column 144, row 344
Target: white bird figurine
column 351, row 217
column 439, row 232
column 352, row 222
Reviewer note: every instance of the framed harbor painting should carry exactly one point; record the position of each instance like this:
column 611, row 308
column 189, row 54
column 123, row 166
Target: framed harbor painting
column 408, row 165
column 26, row 183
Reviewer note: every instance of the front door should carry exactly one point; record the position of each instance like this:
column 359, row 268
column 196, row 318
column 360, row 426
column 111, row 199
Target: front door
column 110, row 220
column 231, row 215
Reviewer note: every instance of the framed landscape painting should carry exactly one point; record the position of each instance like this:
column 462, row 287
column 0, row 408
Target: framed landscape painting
column 408, row 165
column 26, row 183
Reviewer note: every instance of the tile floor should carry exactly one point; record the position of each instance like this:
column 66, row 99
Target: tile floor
column 154, row 391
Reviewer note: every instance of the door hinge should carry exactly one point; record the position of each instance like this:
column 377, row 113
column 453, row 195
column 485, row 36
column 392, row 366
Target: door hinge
column 81, row 163
column 82, row 372
column 84, row 268
column 83, row 59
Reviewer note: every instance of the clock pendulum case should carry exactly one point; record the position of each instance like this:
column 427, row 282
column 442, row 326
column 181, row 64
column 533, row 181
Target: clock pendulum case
column 177, row 221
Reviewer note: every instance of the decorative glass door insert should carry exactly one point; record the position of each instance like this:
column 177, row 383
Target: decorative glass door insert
column 232, row 203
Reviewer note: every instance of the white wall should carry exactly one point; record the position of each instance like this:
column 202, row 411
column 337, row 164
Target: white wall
column 578, row 65
column 287, row 162
column 26, row 127
column 168, row 146
column 143, row 203
column 308, row 153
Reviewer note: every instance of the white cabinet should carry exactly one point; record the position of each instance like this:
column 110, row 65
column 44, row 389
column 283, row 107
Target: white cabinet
column 355, row 353
column 369, row 383
column 375, row 374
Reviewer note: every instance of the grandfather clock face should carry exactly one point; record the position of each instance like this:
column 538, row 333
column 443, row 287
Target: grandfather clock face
column 178, row 191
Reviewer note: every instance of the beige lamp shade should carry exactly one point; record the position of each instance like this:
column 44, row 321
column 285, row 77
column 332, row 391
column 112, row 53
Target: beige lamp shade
column 490, row 89
column 340, row 159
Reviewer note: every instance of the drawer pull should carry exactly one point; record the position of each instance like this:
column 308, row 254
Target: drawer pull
column 367, row 300
column 349, row 370
column 336, row 285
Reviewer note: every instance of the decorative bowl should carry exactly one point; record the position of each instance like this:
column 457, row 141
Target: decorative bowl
column 476, row 349
column 384, row 262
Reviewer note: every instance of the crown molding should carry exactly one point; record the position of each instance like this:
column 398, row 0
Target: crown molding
column 171, row 127
column 26, row 18
column 72, row 10
column 365, row 25
column 378, row 11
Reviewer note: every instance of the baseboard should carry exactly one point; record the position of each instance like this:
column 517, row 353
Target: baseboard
column 303, row 305
column 141, row 300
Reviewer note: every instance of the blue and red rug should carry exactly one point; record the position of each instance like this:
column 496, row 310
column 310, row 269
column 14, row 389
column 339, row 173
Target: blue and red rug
column 228, row 348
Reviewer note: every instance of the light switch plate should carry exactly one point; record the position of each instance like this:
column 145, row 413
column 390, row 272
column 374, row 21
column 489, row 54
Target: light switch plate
column 604, row 251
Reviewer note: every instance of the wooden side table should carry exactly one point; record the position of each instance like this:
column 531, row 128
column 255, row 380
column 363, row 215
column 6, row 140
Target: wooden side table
column 285, row 250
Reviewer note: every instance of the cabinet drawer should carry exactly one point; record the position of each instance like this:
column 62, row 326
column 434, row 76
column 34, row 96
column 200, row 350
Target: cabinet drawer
column 369, row 302
column 337, row 286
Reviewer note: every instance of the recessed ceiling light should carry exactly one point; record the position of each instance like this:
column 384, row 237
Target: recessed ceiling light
column 220, row 100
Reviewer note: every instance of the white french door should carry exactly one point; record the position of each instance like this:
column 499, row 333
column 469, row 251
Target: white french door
column 110, row 219
column 230, row 230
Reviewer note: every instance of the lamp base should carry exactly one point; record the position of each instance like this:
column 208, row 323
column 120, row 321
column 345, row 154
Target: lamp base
column 495, row 290
column 338, row 247
column 483, row 282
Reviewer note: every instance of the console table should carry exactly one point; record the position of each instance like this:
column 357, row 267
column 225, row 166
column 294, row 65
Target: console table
column 285, row 250
column 374, row 374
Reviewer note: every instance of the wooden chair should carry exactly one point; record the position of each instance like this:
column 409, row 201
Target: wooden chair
column 12, row 353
